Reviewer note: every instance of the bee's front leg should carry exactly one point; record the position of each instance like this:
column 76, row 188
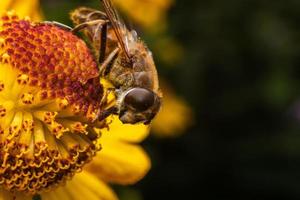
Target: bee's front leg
column 110, row 107
column 102, row 49
column 58, row 24
column 103, row 114
column 104, row 67
column 79, row 27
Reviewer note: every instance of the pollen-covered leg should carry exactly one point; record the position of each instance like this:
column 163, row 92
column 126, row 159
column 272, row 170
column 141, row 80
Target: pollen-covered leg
column 107, row 62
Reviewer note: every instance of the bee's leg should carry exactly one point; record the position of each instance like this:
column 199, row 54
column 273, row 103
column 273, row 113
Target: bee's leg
column 96, row 12
column 102, row 49
column 58, row 24
column 102, row 115
column 89, row 23
column 106, row 65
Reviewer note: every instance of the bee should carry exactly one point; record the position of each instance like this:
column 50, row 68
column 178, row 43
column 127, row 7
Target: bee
column 124, row 60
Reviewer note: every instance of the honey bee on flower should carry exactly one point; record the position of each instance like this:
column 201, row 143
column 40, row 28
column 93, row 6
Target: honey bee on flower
column 124, row 60
column 53, row 103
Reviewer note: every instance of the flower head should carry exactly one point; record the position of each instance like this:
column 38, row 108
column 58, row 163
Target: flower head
column 49, row 94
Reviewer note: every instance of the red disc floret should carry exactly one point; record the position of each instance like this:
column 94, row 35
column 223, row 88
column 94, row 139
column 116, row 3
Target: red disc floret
column 55, row 59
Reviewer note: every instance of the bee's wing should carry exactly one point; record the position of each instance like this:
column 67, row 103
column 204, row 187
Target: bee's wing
column 118, row 27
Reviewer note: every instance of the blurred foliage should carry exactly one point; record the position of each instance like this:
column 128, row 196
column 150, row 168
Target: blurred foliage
column 239, row 69
column 149, row 14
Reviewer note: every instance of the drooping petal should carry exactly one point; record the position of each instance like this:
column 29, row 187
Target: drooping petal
column 83, row 186
column 120, row 162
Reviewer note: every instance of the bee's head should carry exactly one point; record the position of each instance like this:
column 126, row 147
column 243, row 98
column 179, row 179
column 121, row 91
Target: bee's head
column 139, row 105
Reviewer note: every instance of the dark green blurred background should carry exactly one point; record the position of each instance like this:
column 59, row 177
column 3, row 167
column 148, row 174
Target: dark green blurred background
column 241, row 75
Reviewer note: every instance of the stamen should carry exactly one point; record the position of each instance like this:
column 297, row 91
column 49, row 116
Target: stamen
column 23, row 79
column 27, row 98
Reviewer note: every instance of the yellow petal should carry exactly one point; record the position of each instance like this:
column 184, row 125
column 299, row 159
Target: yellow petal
column 83, row 186
column 4, row 5
column 174, row 117
column 23, row 8
column 120, row 162
column 126, row 132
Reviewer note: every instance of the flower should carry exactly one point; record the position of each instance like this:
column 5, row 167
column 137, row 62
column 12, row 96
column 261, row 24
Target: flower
column 46, row 119
column 49, row 95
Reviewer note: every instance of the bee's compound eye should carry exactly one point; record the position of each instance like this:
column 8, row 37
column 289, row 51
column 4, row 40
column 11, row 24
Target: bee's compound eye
column 140, row 99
